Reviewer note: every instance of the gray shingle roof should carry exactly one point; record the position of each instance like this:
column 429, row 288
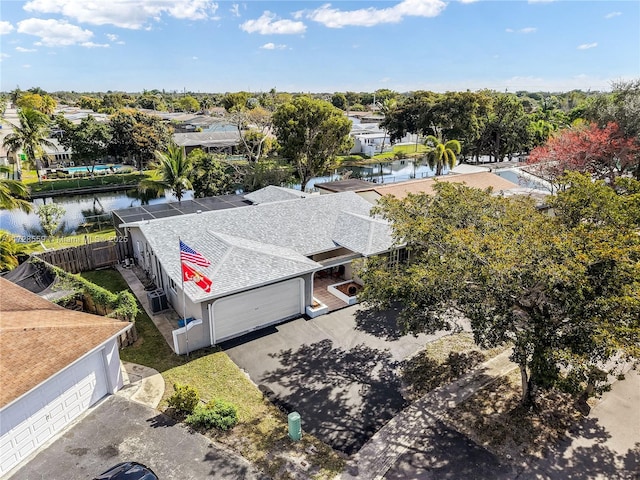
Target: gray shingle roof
column 273, row 193
column 363, row 234
column 268, row 241
column 238, row 264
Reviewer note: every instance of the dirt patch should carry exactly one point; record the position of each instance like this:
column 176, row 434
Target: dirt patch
column 350, row 289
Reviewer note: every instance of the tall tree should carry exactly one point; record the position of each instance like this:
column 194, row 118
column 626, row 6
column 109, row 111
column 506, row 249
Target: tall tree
column 210, row 175
column 254, row 128
column 8, row 251
column 603, row 152
column 441, row 154
column 29, row 135
column 12, row 192
column 175, row 170
column 89, row 140
column 311, row 134
column 563, row 293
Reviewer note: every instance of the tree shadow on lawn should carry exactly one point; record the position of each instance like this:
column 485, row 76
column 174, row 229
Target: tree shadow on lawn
column 343, row 396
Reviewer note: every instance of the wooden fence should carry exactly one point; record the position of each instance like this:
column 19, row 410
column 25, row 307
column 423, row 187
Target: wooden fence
column 87, row 257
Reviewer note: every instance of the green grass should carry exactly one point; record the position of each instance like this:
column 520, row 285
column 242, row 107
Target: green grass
column 261, row 435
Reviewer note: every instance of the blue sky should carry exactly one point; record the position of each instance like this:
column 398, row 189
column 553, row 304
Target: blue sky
column 207, row 46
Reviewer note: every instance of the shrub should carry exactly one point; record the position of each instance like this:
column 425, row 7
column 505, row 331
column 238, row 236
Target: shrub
column 185, row 398
column 216, row 414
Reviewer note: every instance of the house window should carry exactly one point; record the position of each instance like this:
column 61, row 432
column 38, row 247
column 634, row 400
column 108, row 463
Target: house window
column 398, row 256
column 172, row 286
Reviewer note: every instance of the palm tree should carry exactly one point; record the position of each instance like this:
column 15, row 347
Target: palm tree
column 8, row 251
column 11, row 190
column 175, row 168
column 441, row 153
column 29, row 136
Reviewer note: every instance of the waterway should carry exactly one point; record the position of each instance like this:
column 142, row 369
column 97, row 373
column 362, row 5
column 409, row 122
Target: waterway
column 81, row 210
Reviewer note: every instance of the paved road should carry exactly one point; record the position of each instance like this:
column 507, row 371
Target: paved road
column 339, row 371
column 119, row 430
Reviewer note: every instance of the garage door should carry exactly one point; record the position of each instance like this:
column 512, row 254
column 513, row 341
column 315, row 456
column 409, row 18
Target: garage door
column 247, row 311
column 43, row 412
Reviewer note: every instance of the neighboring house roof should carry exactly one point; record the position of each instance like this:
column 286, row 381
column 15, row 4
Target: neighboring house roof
column 207, row 139
column 349, row 185
column 306, row 226
column 272, row 193
column 465, row 168
column 39, row 338
column 481, row 180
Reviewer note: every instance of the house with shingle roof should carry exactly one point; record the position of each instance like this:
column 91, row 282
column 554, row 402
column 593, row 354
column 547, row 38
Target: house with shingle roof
column 268, row 260
column 54, row 364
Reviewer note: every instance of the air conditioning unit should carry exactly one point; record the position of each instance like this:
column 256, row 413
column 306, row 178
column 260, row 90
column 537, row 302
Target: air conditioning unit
column 157, row 301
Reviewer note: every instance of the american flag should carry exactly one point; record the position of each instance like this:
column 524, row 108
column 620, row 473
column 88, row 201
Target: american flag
column 188, row 254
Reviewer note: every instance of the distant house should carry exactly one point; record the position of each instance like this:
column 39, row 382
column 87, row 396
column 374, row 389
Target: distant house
column 266, row 259
column 210, row 142
column 54, row 365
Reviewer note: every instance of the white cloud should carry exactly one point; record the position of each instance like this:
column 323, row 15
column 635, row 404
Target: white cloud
column 467, row 1
column 4, row 55
column 26, row 65
column 524, row 30
column 369, row 17
column 541, row 1
column 54, row 33
column 5, row 27
column 612, row 15
column 587, row 46
column 273, row 46
column 25, row 50
column 112, row 37
column 268, row 25
column 133, row 14
column 194, row 58
column 94, row 45
column 235, row 10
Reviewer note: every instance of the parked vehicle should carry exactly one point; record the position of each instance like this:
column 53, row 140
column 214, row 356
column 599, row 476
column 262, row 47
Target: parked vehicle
column 128, row 471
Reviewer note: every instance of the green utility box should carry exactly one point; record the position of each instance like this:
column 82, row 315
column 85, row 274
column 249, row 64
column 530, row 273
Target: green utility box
column 295, row 426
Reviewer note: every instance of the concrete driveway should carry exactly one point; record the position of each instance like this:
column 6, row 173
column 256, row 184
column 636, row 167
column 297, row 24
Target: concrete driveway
column 339, row 371
column 119, row 430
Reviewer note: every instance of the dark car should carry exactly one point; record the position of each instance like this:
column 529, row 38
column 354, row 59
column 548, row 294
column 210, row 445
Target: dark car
column 128, row 471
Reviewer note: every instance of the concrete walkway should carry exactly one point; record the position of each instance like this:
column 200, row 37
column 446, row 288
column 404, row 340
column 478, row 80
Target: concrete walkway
column 141, row 384
column 380, row 453
column 166, row 322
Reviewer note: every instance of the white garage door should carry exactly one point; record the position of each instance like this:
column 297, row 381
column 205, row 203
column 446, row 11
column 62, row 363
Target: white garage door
column 257, row 308
column 43, row 412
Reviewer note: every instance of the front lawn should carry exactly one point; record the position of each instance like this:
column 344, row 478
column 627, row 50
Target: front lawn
column 261, row 435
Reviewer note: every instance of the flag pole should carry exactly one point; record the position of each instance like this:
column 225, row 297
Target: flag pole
column 184, row 302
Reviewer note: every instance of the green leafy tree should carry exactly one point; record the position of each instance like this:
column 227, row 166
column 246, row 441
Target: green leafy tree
column 210, row 175
column 311, row 134
column 254, row 128
column 339, row 100
column 175, row 170
column 51, row 218
column 265, row 172
column 441, row 154
column 34, row 101
column 136, row 136
column 188, row 104
column 29, row 136
column 89, row 140
column 562, row 290
column 233, row 102
column 12, row 192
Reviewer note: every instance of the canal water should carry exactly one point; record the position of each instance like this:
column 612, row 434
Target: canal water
column 81, row 210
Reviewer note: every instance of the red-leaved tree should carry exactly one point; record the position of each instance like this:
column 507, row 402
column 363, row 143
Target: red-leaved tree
column 603, row 152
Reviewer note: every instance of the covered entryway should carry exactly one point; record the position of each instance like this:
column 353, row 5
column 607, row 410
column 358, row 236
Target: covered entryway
column 237, row 314
column 47, row 409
